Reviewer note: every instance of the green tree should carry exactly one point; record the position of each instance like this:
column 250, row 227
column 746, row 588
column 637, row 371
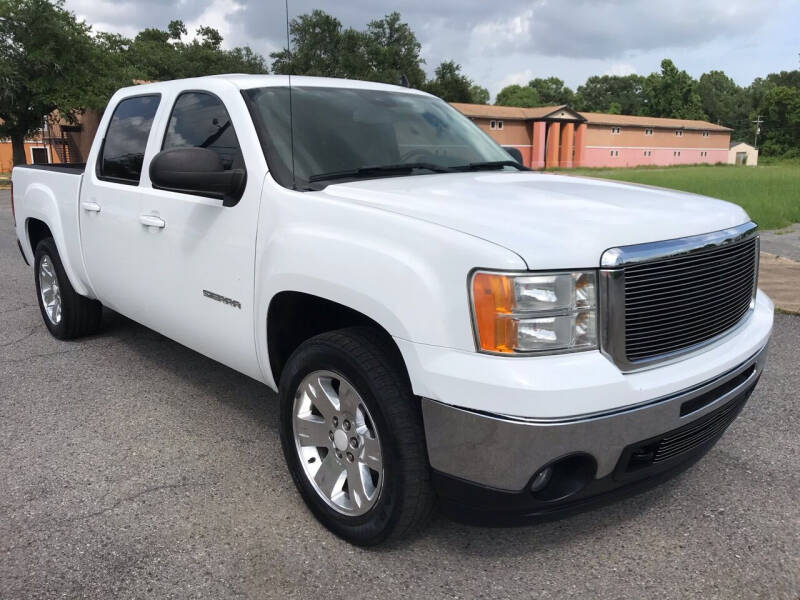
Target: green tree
column 720, row 97
column 672, row 93
column 602, row 92
column 316, row 47
column 48, row 62
column 517, row 95
column 176, row 30
column 385, row 51
column 478, row 94
column 789, row 79
column 552, row 91
column 159, row 55
column 392, row 51
column 450, row 84
column 780, row 109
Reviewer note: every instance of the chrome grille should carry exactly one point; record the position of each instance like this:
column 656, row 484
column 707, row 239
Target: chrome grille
column 669, row 298
column 675, row 303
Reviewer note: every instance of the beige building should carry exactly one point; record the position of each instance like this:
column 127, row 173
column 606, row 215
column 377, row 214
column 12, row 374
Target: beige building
column 558, row 136
column 741, row 153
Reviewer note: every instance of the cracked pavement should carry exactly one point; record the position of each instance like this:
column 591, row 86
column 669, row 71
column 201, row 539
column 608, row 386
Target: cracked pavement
column 131, row 467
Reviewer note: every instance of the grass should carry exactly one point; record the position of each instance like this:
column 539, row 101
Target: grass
column 770, row 192
column 5, row 180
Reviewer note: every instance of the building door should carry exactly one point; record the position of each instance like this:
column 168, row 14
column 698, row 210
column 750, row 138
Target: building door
column 741, row 158
column 39, row 156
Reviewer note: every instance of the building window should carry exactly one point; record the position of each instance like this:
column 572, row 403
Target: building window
column 614, row 153
column 705, row 134
column 679, row 132
column 615, row 130
column 648, row 152
column 676, row 153
column 492, row 124
column 648, row 131
column 499, row 124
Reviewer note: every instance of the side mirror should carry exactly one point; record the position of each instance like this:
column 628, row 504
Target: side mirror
column 514, row 152
column 196, row 171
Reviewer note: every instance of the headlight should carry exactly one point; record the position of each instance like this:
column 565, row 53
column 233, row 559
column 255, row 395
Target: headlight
column 538, row 312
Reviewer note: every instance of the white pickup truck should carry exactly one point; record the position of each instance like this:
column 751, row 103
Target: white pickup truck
column 439, row 322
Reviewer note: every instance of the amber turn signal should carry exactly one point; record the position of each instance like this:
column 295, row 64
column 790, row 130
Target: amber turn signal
column 493, row 300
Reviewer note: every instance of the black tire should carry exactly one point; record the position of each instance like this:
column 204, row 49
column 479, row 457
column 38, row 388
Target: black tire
column 366, row 359
column 80, row 316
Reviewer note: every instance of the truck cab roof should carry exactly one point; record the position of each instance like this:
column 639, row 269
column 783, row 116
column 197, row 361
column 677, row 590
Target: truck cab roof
column 244, row 81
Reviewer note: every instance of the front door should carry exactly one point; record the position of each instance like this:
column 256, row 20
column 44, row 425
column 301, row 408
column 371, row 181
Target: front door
column 199, row 254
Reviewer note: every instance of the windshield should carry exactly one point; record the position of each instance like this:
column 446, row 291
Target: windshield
column 338, row 132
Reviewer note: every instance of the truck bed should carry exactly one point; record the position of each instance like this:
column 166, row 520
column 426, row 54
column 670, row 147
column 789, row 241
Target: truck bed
column 71, row 168
column 50, row 193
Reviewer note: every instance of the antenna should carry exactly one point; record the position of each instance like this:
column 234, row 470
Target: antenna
column 291, row 67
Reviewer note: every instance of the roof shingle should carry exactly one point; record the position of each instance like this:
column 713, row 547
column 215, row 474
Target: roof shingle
column 489, row 111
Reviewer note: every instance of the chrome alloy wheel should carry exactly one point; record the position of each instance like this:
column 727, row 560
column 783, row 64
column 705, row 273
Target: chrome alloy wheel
column 49, row 290
column 337, row 443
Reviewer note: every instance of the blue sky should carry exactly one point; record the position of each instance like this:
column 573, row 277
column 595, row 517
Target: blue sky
column 498, row 43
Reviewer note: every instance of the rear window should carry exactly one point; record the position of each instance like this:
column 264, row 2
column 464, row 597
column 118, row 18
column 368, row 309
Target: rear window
column 126, row 139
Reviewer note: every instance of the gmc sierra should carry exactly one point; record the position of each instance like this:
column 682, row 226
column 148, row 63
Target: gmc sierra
column 438, row 321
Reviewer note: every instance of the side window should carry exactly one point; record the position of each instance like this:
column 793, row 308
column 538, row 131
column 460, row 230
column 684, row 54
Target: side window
column 200, row 120
column 126, row 139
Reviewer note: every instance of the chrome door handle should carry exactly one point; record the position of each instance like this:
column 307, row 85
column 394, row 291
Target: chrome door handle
column 152, row 221
column 90, row 206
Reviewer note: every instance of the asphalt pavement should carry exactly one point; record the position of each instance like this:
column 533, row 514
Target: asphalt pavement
column 131, row 467
column 783, row 242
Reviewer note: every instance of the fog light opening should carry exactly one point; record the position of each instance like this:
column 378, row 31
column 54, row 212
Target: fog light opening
column 563, row 478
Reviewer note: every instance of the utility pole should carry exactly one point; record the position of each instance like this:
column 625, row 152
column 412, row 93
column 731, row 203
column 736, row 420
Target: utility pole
column 758, row 123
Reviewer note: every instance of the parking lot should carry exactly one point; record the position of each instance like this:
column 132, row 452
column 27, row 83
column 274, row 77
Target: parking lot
column 131, row 467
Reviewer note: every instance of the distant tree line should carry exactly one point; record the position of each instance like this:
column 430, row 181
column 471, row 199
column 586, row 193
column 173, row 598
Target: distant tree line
column 51, row 63
column 386, row 51
column 674, row 93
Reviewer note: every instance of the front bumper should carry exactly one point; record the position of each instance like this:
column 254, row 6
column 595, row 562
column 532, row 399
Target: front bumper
column 487, row 463
column 492, row 423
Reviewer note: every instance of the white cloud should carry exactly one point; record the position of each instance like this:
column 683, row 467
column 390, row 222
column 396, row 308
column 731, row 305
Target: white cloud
column 620, row 69
column 512, row 42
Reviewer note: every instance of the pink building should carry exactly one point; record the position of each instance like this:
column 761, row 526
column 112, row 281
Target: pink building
column 557, row 136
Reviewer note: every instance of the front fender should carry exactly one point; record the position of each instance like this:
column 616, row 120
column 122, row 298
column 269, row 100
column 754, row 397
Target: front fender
column 410, row 276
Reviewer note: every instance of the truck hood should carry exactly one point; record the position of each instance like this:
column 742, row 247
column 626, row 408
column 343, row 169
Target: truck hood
column 551, row 221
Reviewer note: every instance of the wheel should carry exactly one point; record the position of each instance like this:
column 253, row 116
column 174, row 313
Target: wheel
column 66, row 313
column 352, row 435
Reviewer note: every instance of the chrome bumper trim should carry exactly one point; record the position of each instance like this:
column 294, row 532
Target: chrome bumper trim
column 503, row 452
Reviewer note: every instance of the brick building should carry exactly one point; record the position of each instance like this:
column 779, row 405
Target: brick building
column 56, row 142
column 557, row 136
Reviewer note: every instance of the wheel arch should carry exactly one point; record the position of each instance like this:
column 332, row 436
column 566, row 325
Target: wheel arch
column 37, row 230
column 294, row 317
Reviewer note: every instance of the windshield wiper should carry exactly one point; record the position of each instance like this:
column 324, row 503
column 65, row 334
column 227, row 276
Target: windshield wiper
column 489, row 165
column 380, row 170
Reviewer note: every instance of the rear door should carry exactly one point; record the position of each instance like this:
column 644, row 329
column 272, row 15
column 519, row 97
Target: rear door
column 110, row 205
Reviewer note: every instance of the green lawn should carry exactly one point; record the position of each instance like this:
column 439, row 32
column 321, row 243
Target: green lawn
column 5, row 179
column 770, row 193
